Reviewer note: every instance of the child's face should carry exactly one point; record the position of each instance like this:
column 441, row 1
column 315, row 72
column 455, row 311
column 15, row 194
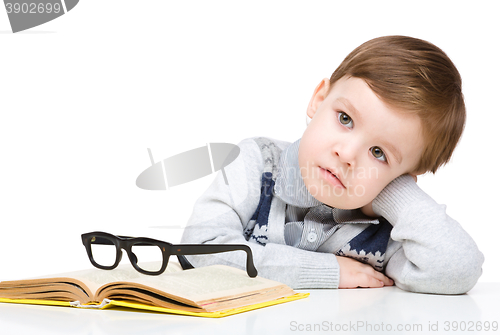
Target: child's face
column 357, row 137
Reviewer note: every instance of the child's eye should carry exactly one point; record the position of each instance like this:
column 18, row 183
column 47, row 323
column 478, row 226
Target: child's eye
column 345, row 120
column 378, row 154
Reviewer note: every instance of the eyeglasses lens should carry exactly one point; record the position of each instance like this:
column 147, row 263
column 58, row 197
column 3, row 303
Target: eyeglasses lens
column 103, row 251
column 149, row 257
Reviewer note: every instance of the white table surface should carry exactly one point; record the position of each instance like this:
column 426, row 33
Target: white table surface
column 356, row 311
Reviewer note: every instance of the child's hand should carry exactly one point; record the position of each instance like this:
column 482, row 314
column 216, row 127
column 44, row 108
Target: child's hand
column 356, row 274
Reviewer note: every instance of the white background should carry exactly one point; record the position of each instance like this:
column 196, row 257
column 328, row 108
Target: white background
column 84, row 96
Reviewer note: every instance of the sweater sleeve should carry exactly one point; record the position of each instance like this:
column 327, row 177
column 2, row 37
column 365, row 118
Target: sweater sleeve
column 221, row 214
column 437, row 254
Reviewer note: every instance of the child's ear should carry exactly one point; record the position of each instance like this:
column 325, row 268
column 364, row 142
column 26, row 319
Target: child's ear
column 318, row 97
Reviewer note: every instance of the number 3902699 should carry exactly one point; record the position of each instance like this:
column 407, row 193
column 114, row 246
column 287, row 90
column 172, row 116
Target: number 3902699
column 471, row 326
column 32, row 8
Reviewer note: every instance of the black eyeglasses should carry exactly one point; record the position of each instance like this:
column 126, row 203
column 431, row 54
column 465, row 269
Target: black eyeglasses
column 142, row 251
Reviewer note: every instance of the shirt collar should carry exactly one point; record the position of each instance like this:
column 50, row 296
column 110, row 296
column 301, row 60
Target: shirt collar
column 290, row 187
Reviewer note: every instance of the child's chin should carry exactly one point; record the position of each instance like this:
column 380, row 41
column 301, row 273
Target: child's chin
column 337, row 203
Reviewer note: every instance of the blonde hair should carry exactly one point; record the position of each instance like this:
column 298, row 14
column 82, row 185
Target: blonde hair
column 413, row 76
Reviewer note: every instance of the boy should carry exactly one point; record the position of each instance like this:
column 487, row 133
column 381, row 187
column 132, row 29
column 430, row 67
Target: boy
column 340, row 208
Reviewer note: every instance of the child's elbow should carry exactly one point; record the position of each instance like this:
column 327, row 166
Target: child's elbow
column 454, row 277
column 463, row 274
column 464, row 271
column 459, row 280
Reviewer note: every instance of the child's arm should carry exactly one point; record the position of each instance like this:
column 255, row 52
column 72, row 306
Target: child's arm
column 436, row 254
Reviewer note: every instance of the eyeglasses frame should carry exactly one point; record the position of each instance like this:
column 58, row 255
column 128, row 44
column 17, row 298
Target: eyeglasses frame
column 167, row 249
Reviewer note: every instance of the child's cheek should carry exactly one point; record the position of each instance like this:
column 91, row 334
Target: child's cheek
column 368, row 189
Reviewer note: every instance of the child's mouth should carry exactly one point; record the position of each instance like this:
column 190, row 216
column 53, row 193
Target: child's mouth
column 332, row 177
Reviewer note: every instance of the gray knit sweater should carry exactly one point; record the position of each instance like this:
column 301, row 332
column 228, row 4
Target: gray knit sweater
column 267, row 207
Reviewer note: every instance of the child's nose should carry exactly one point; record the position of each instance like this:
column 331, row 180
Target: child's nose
column 346, row 154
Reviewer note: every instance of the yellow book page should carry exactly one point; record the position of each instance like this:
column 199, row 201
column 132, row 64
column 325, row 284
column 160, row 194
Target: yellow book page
column 218, row 314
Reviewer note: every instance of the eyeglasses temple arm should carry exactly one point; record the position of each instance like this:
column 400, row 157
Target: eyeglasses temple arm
column 201, row 249
column 185, row 264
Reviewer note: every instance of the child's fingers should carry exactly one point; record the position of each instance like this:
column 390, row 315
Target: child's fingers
column 356, row 274
column 387, row 281
column 367, row 281
column 374, row 282
column 384, row 279
column 377, row 281
column 376, row 276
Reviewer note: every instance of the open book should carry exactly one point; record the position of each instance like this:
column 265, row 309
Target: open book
column 212, row 291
